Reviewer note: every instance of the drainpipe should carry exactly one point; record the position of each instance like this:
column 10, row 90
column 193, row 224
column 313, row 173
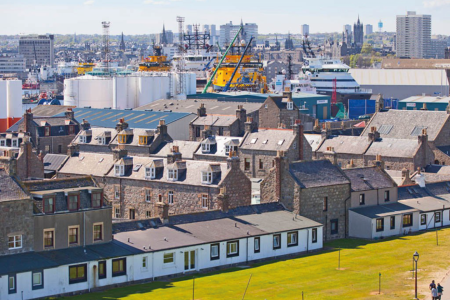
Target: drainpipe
column 153, row 266
column 307, row 240
column 84, row 229
column 346, row 214
column 246, row 259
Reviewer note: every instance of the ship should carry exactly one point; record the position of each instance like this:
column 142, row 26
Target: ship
column 156, row 62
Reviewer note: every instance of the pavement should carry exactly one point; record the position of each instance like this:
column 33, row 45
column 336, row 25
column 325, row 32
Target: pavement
column 445, row 282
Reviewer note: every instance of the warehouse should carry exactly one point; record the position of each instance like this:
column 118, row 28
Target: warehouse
column 418, row 102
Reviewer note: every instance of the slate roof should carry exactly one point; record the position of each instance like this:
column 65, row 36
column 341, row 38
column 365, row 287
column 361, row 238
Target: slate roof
column 405, row 121
column 95, row 134
column 269, row 139
column 317, row 173
column 433, row 197
column 88, row 163
column 191, row 106
column 346, row 144
column 52, row 162
column 49, row 110
column 280, row 102
column 10, row 189
column 58, row 184
column 368, row 178
column 392, row 147
column 218, row 149
column 314, row 140
column 134, row 139
column 215, row 120
column 384, row 210
column 108, row 118
column 186, row 148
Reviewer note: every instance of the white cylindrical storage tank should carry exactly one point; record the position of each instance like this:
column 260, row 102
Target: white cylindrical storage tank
column 14, row 101
column 156, row 88
column 120, row 93
column 145, row 89
column 132, row 91
column 95, row 92
column 71, row 92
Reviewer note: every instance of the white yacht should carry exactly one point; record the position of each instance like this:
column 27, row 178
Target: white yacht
column 323, row 73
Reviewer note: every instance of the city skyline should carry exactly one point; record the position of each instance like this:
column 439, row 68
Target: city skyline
column 147, row 16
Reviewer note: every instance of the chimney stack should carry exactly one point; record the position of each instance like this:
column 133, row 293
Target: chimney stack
column 119, row 153
column 330, row 154
column 423, row 137
column 162, row 127
column 27, row 120
column 249, row 125
column 162, row 210
column 379, row 162
column 406, row 177
column 85, row 125
column 373, row 134
column 298, row 130
column 206, row 132
column 121, row 125
column 233, row 161
column 70, row 114
column 174, row 155
column 201, row 111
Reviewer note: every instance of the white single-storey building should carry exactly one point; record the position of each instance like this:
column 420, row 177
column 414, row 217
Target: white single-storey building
column 147, row 250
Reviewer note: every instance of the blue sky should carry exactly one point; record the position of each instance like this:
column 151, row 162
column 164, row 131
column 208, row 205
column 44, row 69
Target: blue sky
column 147, row 16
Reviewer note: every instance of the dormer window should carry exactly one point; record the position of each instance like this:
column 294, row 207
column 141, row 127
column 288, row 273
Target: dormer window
column 290, row 105
column 71, row 129
column 206, row 148
column 150, row 173
column 3, row 142
column 173, row 175
column 229, row 148
column 47, row 130
column 102, row 140
column 15, row 143
column 122, row 138
column 143, row 140
column 207, row 177
column 82, row 139
column 119, row 170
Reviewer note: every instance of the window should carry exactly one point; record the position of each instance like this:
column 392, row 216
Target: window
column 143, row 140
column 207, row 177
column 12, row 284
column 197, row 131
column 148, row 195
column 14, row 242
column 325, row 203
column 170, row 197
column 73, row 235
column 257, row 245
column 292, row 239
column 437, row 217
column 362, row 199
column 215, row 253
column 314, row 235
column 122, row 138
column 78, row 273
column 71, row 129
column 3, row 143
column 47, row 131
column 82, row 139
column 101, row 269
column 96, row 200
column 15, row 143
column 47, row 148
column 393, row 222
column 423, row 219
column 334, row 226
column 49, row 238
column 386, row 196
column 261, row 164
column 148, row 214
column 206, row 148
column 119, row 170
column 276, row 241
column 116, row 192
column 73, row 202
column 221, row 130
column 205, row 201
column 173, row 175
column 117, row 212
column 132, row 214
column 37, row 280
column 150, row 173
column 407, row 220
column 168, row 258
column 380, row 224
column 290, row 105
column 232, row 248
column 247, row 164
column 98, row 232
column 145, row 262
column 119, row 267
column 229, row 148
column 49, row 205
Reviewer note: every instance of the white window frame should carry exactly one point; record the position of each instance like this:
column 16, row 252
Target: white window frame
column 290, row 105
column 144, row 265
column 82, row 139
column 257, row 245
column 117, row 212
column 293, row 236
column 119, row 170
column 215, row 255
column 170, row 260
column 2, row 142
column 150, row 173
column 116, row 192
column 148, row 195
column 207, row 177
column 229, row 250
column 206, row 148
column 14, row 142
column 170, row 197
column 13, row 286
column 16, row 239
column 172, row 174
column 102, row 140
column 277, row 238
column 40, row 278
column 205, row 201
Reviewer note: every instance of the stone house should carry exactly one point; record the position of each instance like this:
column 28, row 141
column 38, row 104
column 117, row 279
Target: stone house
column 217, row 148
column 259, row 148
column 279, row 112
column 205, row 125
column 140, row 187
column 48, row 134
column 317, row 190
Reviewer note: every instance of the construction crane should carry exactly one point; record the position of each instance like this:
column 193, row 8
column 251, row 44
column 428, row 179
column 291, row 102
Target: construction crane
column 227, row 86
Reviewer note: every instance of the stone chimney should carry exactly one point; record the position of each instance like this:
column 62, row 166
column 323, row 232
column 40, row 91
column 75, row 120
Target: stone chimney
column 233, row 161
column 201, row 111
column 241, row 114
column 162, row 127
column 41, row 156
column 288, row 95
column 423, row 138
column 316, row 127
column 406, row 177
column 119, row 153
column 27, row 120
column 326, row 132
column 351, row 164
column 222, row 200
column 330, row 154
column 278, row 162
column 298, row 131
column 162, row 210
column 379, row 162
column 373, row 134
column 206, row 132
column 69, row 114
column 121, row 125
column 174, row 155
column 71, row 150
column 85, row 125
column 249, row 125
column 424, row 107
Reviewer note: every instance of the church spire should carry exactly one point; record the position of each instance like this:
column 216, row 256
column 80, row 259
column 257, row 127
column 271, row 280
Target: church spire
column 122, row 43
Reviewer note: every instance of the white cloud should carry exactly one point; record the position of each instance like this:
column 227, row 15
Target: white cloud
column 160, row 2
column 436, row 3
column 89, row 2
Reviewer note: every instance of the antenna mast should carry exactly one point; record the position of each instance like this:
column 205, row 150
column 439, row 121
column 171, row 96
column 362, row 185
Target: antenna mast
column 181, row 61
column 105, row 26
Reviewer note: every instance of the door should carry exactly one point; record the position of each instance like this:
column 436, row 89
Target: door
column 189, row 260
column 132, row 214
column 325, row 113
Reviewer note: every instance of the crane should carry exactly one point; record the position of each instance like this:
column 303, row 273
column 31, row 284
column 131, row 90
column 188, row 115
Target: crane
column 227, row 86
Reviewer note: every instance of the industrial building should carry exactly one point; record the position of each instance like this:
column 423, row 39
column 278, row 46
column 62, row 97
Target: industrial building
column 10, row 103
column 13, row 65
column 402, row 83
column 424, row 102
column 37, row 49
column 122, row 92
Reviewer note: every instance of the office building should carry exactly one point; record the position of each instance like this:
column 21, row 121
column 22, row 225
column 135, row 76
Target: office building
column 305, row 29
column 413, row 35
column 437, row 49
column 37, row 48
column 228, row 32
column 12, row 64
column 188, row 29
column 369, row 29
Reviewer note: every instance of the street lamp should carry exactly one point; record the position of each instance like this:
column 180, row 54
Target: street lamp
column 416, row 258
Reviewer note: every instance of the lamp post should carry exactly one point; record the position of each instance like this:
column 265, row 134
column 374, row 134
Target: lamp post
column 416, row 258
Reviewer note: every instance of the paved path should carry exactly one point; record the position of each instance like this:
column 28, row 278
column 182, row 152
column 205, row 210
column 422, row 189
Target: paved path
column 445, row 282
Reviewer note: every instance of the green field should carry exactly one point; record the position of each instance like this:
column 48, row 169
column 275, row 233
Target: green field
column 314, row 274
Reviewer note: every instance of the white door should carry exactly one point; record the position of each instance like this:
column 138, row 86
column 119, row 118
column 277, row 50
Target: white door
column 189, row 260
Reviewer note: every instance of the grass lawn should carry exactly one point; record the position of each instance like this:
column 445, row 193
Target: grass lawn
column 315, row 274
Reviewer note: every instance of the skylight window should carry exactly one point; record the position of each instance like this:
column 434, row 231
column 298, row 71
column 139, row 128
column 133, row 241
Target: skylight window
column 265, row 142
column 137, row 167
column 280, row 142
column 253, row 141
